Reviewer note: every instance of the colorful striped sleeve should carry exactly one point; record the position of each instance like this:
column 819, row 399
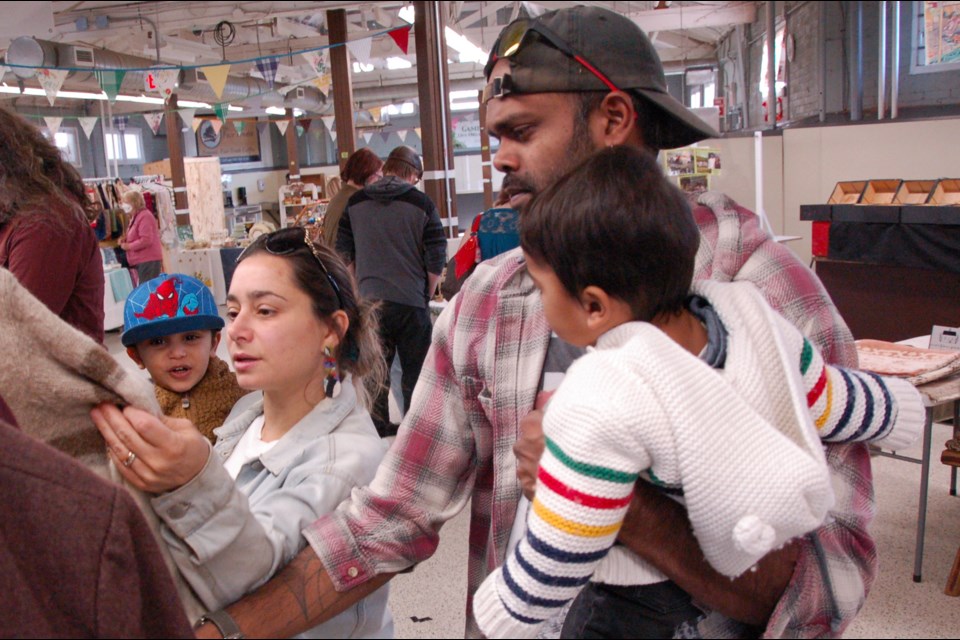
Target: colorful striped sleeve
column 859, row 406
column 574, row 520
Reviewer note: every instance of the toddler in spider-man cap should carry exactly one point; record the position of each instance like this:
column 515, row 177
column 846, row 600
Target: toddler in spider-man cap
column 171, row 328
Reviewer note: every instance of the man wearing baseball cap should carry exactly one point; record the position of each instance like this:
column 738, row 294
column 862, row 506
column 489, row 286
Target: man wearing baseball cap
column 558, row 88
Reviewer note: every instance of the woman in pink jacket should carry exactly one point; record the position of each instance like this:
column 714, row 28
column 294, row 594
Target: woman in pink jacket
column 142, row 240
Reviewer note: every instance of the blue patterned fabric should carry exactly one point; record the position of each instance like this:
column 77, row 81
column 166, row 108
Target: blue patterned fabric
column 499, row 231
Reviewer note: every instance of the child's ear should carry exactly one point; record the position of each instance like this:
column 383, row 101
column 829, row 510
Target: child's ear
column 595, row 303
column 215, row 342
column 135, row 356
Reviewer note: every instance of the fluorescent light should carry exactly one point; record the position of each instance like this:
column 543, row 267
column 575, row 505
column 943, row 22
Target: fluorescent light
column 398, row 63
column 464, row 106
column 83, row 95
column 275, row 111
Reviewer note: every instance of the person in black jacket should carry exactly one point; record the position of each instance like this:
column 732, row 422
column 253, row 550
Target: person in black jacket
column 391, row 235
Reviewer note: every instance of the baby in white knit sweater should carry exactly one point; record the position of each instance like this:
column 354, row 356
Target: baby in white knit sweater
column 702, row 390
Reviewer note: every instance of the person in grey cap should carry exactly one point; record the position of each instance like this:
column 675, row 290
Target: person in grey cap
column 391, row 236
column 560, row 87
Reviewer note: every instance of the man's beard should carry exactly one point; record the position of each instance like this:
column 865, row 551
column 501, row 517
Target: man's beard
column 578, row 149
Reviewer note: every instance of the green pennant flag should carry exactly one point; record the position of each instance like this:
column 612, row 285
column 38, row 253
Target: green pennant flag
column 221, row 111
column 110, row 81
column 239, row 125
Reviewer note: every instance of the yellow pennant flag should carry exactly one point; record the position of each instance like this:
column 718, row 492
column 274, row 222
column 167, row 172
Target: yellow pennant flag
column 375, row 113
column 217, row 77
column 323, row 83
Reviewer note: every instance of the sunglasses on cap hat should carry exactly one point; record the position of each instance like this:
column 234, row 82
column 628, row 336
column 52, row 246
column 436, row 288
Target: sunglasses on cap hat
column 513, row 39
column 284, row 242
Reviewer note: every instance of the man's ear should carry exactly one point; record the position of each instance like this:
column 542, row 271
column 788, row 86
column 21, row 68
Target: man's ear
column 618, row 120
column 135, row 356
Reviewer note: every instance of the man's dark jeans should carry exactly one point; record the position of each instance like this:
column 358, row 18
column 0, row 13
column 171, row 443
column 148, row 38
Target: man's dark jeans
column 404, row 331
column 644, row 611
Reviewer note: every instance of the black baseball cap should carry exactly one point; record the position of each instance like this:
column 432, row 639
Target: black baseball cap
column 587, row 48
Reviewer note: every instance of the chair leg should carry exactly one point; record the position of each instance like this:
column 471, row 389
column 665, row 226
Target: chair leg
column 953, row 580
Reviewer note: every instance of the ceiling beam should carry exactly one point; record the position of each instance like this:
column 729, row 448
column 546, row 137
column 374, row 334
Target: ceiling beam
column 721, row 14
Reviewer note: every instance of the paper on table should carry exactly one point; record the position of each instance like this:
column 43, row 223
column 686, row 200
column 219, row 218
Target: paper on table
column 917, row 365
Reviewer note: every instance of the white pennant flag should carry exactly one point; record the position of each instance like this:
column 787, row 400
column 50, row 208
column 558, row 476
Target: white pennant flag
column 154, row 119
column 366, row 136
column 167, row 81
column 317, row 60
column 53, row 123
column 333, row 136
column 87, row 124
column 361, row 49
column 282, row 125
column 51, row 80
column 187, row 116
column 328, row 122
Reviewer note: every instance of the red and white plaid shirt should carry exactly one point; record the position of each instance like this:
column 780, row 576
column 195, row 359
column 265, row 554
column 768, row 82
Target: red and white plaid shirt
column 481, row 377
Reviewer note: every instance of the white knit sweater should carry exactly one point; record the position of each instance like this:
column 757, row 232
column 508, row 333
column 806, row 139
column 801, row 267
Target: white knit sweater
column 739, row 442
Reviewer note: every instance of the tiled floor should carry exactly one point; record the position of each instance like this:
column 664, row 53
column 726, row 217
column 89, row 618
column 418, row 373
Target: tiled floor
column 429, row 602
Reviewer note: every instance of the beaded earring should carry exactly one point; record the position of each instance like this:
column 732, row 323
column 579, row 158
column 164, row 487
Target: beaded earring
column 330, row 367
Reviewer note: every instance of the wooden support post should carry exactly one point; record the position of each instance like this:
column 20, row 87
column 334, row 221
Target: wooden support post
column 293, row 159
column 437, row 138
column 342, row 86
column 177, row 172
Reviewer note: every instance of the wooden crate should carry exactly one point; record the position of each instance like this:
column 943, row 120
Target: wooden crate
column 914, row 192
column 847, row 192
column 947, row 191
column 880, row 191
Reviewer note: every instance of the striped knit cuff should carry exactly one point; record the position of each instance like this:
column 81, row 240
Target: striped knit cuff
column 911, row 415
column 493, row 618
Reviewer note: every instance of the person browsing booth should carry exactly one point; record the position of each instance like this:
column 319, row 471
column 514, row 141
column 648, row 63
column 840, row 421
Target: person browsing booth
column 560, row 87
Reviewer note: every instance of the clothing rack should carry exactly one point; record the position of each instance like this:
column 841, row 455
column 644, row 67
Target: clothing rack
column 98, row 180
column 155, row 178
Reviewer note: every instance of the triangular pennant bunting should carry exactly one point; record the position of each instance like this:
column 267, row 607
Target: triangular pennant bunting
column 217, row 77
column 262, row 126
column 317, row 61
column 221, row 110
column 51, row 80
column 53, row 123
column 333, row 135
column 418, row 131
column 87, row 124
column 154, row 119
column 187, row 116
column 110, row 81
column 282, row 125
column 366, row 136
column 384, row 135
column 328, row 122
column 239, row 126
column 216, row 124
column 375, row 113
column 361, row 49
column 305, row 123
column 167, row 81
column 323, row 83
column 402, row 38
column 300, row 131
column 268, row 69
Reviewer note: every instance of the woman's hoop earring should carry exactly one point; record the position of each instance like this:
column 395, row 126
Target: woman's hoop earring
column 332, row 372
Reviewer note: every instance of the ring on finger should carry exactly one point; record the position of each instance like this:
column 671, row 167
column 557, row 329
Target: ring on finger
column 129, row 459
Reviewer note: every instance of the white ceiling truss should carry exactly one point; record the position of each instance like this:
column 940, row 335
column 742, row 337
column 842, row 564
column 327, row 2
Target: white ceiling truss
column 186, row 34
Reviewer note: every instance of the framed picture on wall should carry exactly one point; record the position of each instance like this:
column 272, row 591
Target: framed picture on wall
column 234, row 142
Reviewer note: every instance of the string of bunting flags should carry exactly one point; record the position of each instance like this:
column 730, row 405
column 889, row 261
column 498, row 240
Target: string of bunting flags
column 162, row 79
column 189, row 117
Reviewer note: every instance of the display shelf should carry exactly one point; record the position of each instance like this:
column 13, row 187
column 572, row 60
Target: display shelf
column 294, row 198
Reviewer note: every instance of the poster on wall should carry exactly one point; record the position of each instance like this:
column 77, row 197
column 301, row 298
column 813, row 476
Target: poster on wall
column 941, row 22
column 228, row 144
column 691, row 168
column 466, row 132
